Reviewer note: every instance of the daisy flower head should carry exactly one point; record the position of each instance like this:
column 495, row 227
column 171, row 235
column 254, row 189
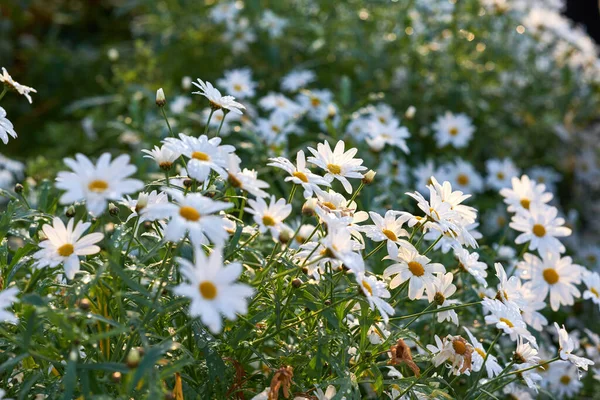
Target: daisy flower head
column 246, row 179
column 7, row 298
column 507, row 318
column 217, row 101
column 144, row 200
column 546, row 176
column 479, row 355
column 279, row 102
column 340, row 245
column 500, row 173
column 422, row 174
column 388, row 227
column 525, row 195
column 10, row 83
column 273, row 23
column 554, row 275
column 269, row 217
column 415, row 268
column 462, row 176
column 525, row 353
column 454, row 129
column 192, row 214
column 276, row 128
column 65, row 244
column 540, row 227
column 509, row 289
column 455, row 352
column 238, row 82
column 213, row 289
column 530, row 310
column 298, row 79
column 316, row 103
column 225, row 11
column 564, row 380
column 592, row 282
column 96, row 184
column 444, row 288
column 300, row 174
column 376, row 293
column 469, row 262
column 390, row 132
column 566, row 346
column 163, row 156
column 337, row 163
column 6, row 127
column 204, row 154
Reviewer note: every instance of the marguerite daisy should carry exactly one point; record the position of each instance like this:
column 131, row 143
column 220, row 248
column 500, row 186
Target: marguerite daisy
column 299, row 174
column 217, row 101
column 7, row 298
column 456, row 130
column 540, row 228
column 9, row 82
column 6, row 127
column 338, row 164
column 269, row 217
column 375, row 292
column 566, row 346
column 525, row 194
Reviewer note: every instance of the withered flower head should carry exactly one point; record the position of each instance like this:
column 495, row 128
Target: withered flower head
column 281, row 379
column 401, row 354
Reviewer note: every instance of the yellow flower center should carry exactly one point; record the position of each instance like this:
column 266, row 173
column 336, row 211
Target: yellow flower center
column 98, row 186
column 462, row 179
column 390, row 235
column 480, row 352
column 565, row 379
column 367, row 287
column 268, row 220
column 459, row 347
column 198, row 155
column 501, row 221
column 237, row 87
column 189, row 213
column 416, row 268
column 595, row 292
column 208, row 290
column 550, row 275
column 453, row 131
column 301, row 176
column 525, row 203
column 315, row 101
column 500, row 175
column 507, row 322
column 275, row 128
column 329, row 205
column 334, row 168
column 539, row 230
column 66, row 250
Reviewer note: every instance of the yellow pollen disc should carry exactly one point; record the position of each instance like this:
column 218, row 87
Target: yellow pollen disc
column 453, row 131
column 507, row 322
column 595, row 292
column 367, row 287
column 459, row 347
column 592, row 259
column 334, row 168
column 301, row 176
column 525, row 203
column 189, row 213
column 500, row 175
column 315, row 102
column 539, row 230
column 275, row 128
column 501, row 220
column 98, row 186
column 481, row 352
column 198, row 155
column 462, row 180
column 550, row 276
column 390, row 235
column 66, row 250
column 237, row 87
column 208, row 290
column 565, row 379
column 329, row 205
column 268, row 220
column 416, row 268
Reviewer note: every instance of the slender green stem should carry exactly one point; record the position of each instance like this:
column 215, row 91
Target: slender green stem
column 3, row 92
column 520, row 371
column 362, row 184
column 433, row 244
column 376, row 249
column 292, row 193
column 417, row 316
column 221, row 124
column 455, row 307
column 414, row 383
column 212, row 111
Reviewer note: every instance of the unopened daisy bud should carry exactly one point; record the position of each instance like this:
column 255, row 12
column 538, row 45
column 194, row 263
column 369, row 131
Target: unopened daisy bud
column 147, row 225
column 116, row 377
column 113, row 209
column 18, row 188
column 160, row 98
column 186, row 82
column 83, row 304
column 369, row 177
column 296, row 283
column 70, row 213
column 309, row 207
column 410, row 112
column 285, row 236
column 133, row 358
column 188, row 183
column 331, row 111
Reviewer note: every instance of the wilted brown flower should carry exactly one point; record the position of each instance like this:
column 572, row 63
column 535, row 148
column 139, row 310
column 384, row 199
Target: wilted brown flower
column 281, row 379
column 401, row 354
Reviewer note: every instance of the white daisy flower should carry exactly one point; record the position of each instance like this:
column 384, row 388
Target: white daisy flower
column 213, row 289
column 338, row 164
column 552, row 274
column 564, row 381
column 204, row 155
column 238, row 82
column 376, row 292
column 390, row 132
column 422, row 174
column 6, row 127
column 509, row 290
column 179, row 104
column 491, row 365
column 245, row 180
column 239, row 35
column 316, row 258
column 540, row 228
column 96, row 184
column 300, row 175
column 144, row 200
column 279, row 102
column 455, row 351
column 9, row 82
column 340, row 244
column 217, row 101
column 65, row 244
column 276, row 128
column 592, row 282
column 273, row 23
column 329, row 393
column 525, row 194
column 192, row 214
column 415, row 268
column 454, row 129
column 163, row 156
column 387, row 228
column 462, row 176
column 546, row 176
column 297, row 79
column 566, row 346
column 525, row 353
column 7, row 298
column 315, row 103
column 506, row 318
column 500, row 173
column 530, row 311
column 444, row 288
column 269, row 217
column 470, row 263
column 224, row 11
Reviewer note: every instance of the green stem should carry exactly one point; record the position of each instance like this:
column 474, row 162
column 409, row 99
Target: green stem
column 362, row 184
column 414, row 383
column 416, row 317
column 3, row 92
column 212, row 111
column 433, row 244
column 221, row 124
column 292, row 193
column 434, row 311
column 376, row 249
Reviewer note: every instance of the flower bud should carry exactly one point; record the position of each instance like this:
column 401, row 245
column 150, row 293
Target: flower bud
column 18, row 188
column 83, row 304
column 113, row 209
column 410, row 112
column 309, row 207
column 160, row 98
column 188, row 183
column 116, row 377
column 133, row 358
column 285, row 236
column 70, row 213
column 296, row 283
column 369, row 177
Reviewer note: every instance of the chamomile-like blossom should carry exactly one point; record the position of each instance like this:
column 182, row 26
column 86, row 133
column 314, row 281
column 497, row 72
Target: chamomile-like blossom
column 592, row 282
column 316, row 258
column 213, row 289
column 389, row 132
column 554, row 275
column 530, row 310
column 376, row 292
column 470, row 263
column 500, row 173
column 297, row 79
column 217, row 101
column 315, row 103
column 546, row 176
column 566, row 347
column 300, row 174
column 564, row 380
column 444, row 288
column 462, row 176
column 269, row 217
column 164, row 156
column 337, row 163
column 238, row 82
column 65, row 244
column 454, row 129
column 246, row 179
column 340, row 244
column 96, row 184
column 224, row 11
column 273, row 23
column 525, row 353
column 144, row 200
column 279, row 102
column 9, row 82
column 7, row 298
column 455, row 352
column 509, row 289
column 479, row 355
column 415, row 268
column 540, row 227
column 525, row 195
column 6, row 127
column 422, row 174
column 506, row 318
column 276, row 128
column 204, row 154
column 192, row 214
column 388, row 227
